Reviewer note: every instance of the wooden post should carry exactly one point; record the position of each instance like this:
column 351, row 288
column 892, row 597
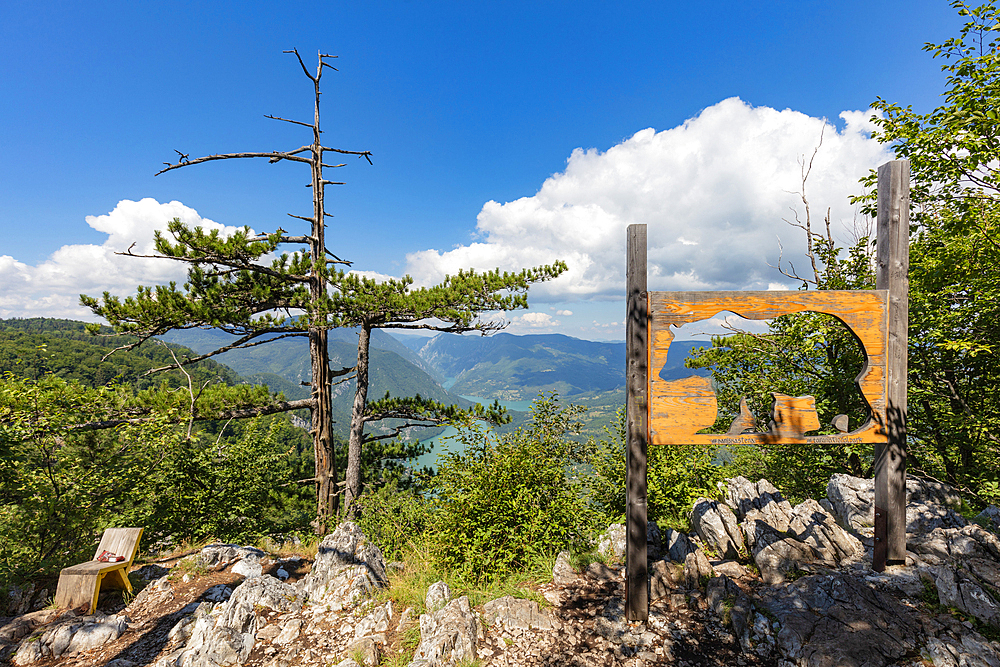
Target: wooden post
column 636, row 368
column 893, row 258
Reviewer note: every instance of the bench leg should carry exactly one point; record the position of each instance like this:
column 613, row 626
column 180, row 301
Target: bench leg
column 77, row 590
column 117, row 579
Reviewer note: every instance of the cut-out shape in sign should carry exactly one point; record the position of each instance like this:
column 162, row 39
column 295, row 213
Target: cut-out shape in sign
column 678, row 409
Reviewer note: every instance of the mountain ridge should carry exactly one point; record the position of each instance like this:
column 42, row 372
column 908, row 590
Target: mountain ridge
column 517, row 367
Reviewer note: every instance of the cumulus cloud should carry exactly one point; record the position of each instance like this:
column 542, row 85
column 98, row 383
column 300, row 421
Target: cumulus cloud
column 712, row 191
column 53, row 287
column 374, row 275
column 532, row 323
column 564, row 313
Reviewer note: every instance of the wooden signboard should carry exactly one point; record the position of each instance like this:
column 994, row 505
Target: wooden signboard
column 678, row 409
column 672, row 412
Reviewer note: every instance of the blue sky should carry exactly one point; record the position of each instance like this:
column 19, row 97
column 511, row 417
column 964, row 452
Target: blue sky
column 503, row 134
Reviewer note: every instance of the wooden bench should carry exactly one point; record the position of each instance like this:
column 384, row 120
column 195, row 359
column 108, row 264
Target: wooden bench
column 80, row 585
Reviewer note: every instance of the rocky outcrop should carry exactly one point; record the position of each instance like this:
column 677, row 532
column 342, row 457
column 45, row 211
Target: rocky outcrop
column 838, row 619
column 225, row 634
column 611, row 543
column 23, row 599
column 929, row 504
column 838, row 612
column 223, row 555
column 697, row 569
column 781, row 539
column 676, row 545
column 563, row 571
column 716, row 526
column 347, row 568
column 989, row 518
column 438, row 595
column 447, row 636
column 68, row 637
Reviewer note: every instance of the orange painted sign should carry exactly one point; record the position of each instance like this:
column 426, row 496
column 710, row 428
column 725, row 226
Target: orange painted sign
column 678, row 409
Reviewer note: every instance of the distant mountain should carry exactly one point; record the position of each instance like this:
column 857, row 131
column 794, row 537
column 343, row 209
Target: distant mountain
column 283, row 365
column 276, row 357
column 511, row 367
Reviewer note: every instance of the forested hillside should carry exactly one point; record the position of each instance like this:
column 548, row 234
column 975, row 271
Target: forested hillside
column 31, row 347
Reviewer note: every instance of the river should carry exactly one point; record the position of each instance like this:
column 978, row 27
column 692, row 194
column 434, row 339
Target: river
column 444, row 443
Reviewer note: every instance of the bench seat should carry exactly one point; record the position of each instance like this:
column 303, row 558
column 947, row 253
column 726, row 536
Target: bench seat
column 79, row 585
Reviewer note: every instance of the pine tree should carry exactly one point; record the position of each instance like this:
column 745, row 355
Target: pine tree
column 229, row 288
column 302, row 295
column 454, row 305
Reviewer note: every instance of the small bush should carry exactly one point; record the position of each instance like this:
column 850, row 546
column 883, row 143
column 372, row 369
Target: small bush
column 510, row 501
column 394, row 519
column 676, row 477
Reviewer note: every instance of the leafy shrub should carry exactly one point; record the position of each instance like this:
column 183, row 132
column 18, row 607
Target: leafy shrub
column 59, row 486
column 676, row 477
column 230, row 488
column 393, row 518
column 508, row 501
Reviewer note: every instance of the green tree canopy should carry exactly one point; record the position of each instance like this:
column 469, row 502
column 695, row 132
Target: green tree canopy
column 455, row 305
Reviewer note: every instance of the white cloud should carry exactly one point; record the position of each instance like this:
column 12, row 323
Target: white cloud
column 564, row 313
column 713, row 192
column 53, row 287
column 532, row 323
column 722, row 324
column 374, row 275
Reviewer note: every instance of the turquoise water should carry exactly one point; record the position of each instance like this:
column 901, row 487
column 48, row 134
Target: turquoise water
column 444, row 443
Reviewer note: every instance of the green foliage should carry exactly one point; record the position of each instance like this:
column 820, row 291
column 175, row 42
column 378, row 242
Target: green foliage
column 224, row 289
column 954, row 154
column 509, row 500
column 953, row 149
column 229, row 488
column 395, row 519
column 457, row 301
column 61, row 485
column 676, row 477
column 954, row 345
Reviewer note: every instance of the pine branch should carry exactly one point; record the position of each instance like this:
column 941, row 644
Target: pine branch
column 223, row 261
column 241, row 344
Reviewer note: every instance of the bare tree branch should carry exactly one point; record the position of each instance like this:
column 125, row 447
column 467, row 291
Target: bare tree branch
column 365, row 154
column 241, row 344
column 304, row 68
column 296, row 122
column 237, row 413
column 274, row 156
column 222, row 261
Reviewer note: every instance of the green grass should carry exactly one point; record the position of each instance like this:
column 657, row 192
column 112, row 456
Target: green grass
column 408, row 587
column 358, row 656
column 580, row 561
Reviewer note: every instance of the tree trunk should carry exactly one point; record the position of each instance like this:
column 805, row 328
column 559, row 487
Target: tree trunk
column 326, row 478
column 353, row 475
column 322, row 423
